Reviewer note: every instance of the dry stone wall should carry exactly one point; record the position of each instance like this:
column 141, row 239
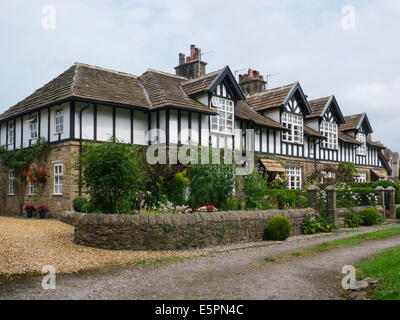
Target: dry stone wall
column 177, row 231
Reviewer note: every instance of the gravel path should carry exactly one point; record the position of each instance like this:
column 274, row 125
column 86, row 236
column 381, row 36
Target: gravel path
column 29, row 245
column 234, row 274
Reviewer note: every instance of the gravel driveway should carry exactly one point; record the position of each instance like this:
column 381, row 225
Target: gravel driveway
column 234, row 274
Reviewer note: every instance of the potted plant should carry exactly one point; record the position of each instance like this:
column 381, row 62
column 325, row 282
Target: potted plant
column 43, row 211
column 29, row 211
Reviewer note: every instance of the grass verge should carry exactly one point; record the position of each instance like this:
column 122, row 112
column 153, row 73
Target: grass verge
column 385, row 266
column 351, row 241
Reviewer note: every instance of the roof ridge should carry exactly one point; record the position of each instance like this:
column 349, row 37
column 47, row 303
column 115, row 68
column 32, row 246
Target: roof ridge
column 319, row 99
column 74, row 78
column 202, row 77
column 273, row 89
column 105, row 69
column 165, row 73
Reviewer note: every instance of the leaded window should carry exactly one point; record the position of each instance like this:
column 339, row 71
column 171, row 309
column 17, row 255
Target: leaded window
column 294, row 177
column 330, row 131
column 295, row 125
column 362, row 150
column 223, row 122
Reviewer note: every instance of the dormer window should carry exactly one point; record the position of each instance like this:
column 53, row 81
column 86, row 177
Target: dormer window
column 330, row 131
column 295, row 125
column 362, row 150
column 223, row 122
column 33, row 127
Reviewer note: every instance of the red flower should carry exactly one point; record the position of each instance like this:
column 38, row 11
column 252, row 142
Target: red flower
column 118, row 203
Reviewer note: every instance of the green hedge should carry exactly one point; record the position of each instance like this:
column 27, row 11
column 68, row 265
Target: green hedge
column 383, row 183
column 284, row 199
column 356, row 196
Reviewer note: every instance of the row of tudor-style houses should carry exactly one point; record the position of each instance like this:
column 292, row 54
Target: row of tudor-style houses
column 291, row 133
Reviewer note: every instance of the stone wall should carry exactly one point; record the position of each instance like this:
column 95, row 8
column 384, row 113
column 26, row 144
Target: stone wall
column 342, row 212
column 177, row 231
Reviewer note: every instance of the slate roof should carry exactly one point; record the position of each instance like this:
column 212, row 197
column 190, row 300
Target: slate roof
column 269, row 99
column 346, row 138
column 351, row 122
column 164, row 90
column 201, row 84
column 317, row 107
column 376, row 144
column 88, row 82
column 245, row 112
column 312, row 133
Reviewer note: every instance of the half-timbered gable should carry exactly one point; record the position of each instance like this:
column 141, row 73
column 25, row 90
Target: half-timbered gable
column 326, row 117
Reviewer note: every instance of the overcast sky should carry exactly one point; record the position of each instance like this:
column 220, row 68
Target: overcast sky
column 307, row 41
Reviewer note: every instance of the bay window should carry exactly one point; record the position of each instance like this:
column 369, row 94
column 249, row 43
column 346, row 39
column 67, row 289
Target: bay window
column 223, row 122
column 330, row 131
column 295, row 125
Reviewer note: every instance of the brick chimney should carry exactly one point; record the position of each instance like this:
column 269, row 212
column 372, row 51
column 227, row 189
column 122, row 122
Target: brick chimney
column 191, row 66
column 252, row 82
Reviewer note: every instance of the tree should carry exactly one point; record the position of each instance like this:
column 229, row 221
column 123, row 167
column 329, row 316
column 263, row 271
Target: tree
column 112, row 173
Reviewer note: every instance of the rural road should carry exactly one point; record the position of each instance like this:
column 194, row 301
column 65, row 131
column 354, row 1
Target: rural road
column 235, row 274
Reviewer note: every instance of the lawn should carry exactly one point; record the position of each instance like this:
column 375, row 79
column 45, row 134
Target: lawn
column 385, row 266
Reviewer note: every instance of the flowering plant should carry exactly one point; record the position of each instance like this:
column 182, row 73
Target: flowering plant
column 43, row 209
column 209, row 208
column 29, row 207
column 35, row 174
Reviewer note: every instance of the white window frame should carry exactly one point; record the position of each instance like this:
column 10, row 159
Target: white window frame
column 11, row 182
column 295, row 124
column 224, row 121
column 59, row 120
column 58, row 178
column 362, row 177
column 33, row 128
column 11, row 137
column 294, row 177
column 31, row 190
column 362, row 150
column 330, row 131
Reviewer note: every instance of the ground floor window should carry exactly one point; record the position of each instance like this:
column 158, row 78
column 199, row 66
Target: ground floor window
column 294, row 177
column 58, row 178
column 11, row 182
column 362, row 177
column 31, row 188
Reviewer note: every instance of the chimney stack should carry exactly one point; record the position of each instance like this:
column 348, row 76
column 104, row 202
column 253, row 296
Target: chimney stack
column 252, row 82
column 191, row 66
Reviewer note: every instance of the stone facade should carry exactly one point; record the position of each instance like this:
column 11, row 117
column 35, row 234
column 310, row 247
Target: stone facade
column 60, row 153
column 392, row 159
column 177, row 231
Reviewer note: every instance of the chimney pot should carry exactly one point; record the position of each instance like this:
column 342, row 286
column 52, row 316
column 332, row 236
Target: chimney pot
column 192, row 52
column 181, row 58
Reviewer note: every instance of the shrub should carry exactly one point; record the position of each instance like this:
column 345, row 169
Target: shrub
column 278, row 228
column 370, row 217
column 352, row 220
column 210, row 183
column 318, row 224
column 398, row 213
column 255, row 187
column 111, row 172
column 78, row 203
